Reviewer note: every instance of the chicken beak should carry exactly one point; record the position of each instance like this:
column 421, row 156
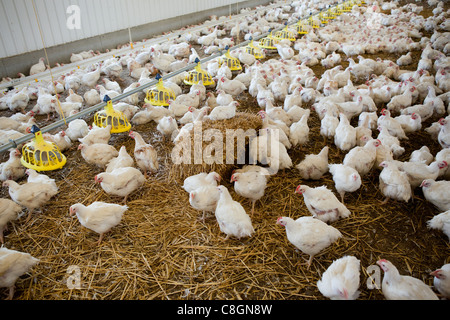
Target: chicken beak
column 435, row 273
column 71, row 211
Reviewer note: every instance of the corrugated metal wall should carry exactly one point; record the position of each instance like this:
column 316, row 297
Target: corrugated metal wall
column 20, row 32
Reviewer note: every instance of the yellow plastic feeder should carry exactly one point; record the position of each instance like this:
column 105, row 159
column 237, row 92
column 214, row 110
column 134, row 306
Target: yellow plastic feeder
column 285, row 34
column 268, row 42
column 41, row 155
column 159, row 95
column 233, row 63
column 323, row 19
column 254, row 50
column 109, row 116
column 301, row 28
column 197, row 75
column 313, row 23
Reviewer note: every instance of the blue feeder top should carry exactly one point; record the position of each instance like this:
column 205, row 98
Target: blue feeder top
column 158, row 76
column 34, row 129
column 197, row 60
column 106, row 98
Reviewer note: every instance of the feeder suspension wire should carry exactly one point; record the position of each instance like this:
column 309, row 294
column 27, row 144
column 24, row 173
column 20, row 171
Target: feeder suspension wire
column 48, row 62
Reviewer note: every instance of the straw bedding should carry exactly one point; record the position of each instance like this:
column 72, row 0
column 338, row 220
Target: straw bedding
column 161, row 250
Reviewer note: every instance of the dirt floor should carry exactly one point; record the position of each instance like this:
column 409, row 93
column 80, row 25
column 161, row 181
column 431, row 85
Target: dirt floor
column 161, row 250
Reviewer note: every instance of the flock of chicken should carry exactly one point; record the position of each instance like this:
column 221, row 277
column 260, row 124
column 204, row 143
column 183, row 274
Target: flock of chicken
column 281, row 87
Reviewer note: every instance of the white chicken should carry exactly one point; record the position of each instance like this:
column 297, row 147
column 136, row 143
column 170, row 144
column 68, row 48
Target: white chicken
column 14, row 264
column 322, row 203
column 410, row 122
column 77, row 129
column 346, row 179
column 267, row 149
column 231, row 216
column 417, row 172
column 362, row 158
column 166, row 126
column 390, row 141
column 12, row 169
column 399, row 287
column 38, row 67
column 200, row 180
column 233, row 87
column 204, row 199
column 98, row 135
column 91, row 78
column 393, row 183
column 121, row 182
column 19, row 101
column 92, row 97
column 145, row 154
column 405, row 59
column 444, row 134
column 223, row 112
column 309, row 235
column 444, row 155
column 99, row 216
column 31, row 195
column 223, row 99
column 98, row 153
column 299, row 131
column 401, row 101
column 314, row 166
column 391, row 124
column 441, row 222
column 34, row 176
column 250, row 182
column 328, row 125
column 422, row 155
column 345, row 134
column 121, row 161
column 341, row 279
column 9, row 211
column 441, row 280
column 437, row 192
column 60, row 139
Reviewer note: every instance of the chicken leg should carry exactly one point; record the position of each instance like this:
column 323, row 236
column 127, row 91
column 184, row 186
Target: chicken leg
column 253, row 206
column 28, row 216
column 12, row 289
column 100, row 238
column 308, row 263
column 342, row 194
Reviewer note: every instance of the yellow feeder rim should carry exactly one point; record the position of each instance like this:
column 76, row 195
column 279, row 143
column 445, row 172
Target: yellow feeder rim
column 109, row 116
column 254, row 50
column 285, row 34
column 268, row 42
column 159, row 95
column 301, row 28
column 323, row 19
column 233, row 63
column 41, row 155
column 313, row 23
column 197, row 75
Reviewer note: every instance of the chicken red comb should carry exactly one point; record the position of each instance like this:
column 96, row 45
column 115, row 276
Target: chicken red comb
column 297, row 190
column 278, row 220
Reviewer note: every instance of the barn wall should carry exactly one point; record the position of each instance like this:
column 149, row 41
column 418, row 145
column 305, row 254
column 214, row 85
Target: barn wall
column 103, row 24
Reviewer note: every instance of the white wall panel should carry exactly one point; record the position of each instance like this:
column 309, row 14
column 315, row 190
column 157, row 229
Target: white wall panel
column 20, row 33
